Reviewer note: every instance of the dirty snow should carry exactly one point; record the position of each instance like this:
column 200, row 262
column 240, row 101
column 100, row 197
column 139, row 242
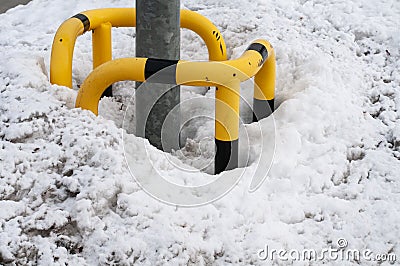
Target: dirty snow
column 66, row 194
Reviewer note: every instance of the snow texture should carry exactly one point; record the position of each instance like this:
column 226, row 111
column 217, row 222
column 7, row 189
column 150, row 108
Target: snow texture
column 66, row 194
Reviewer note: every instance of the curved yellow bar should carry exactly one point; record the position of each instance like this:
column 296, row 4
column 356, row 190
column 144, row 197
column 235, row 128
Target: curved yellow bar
column 118, row 17
column 105, row 75
column 223, row 73
column 250, row 64
column 62, row 52
column 218, row 73
column 208, row 32
column 65, row 38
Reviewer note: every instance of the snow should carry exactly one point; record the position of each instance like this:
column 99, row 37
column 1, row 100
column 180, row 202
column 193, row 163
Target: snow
column 66, row 192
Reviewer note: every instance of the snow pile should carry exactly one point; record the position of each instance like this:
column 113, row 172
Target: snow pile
column 66, row 194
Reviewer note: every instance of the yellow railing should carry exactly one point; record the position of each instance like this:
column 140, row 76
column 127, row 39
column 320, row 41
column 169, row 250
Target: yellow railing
column 257, row 61
column 100, row 21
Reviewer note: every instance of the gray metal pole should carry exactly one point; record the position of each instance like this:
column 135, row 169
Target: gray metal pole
column 158, row 37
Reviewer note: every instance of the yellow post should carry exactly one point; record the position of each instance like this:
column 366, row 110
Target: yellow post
column 101, row 40
column 227, row 126
column 264, row 84
column 102, row 48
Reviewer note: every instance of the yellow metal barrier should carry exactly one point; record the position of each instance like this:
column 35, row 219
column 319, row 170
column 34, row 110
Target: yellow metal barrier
column 101, row 21
column 258, row 60
column 251, row 63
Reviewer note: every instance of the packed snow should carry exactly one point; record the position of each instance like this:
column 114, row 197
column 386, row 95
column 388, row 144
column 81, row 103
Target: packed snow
column 67, row 195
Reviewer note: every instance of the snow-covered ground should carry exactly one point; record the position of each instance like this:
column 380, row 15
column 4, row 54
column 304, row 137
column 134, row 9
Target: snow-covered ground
column 67, row 196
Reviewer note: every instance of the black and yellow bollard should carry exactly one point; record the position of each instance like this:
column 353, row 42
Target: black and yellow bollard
column 227, row 101
column 264, row 82
column 227, row 75
column 257, row 61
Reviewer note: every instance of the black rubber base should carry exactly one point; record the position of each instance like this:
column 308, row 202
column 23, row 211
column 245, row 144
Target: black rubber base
column 262, row 109
column 107, row 92
column 226, row 155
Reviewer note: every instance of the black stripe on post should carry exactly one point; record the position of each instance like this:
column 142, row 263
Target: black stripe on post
column 85, row 21
column 226, row 155
column 168, row 76
column 262, row 109
column 258, row 47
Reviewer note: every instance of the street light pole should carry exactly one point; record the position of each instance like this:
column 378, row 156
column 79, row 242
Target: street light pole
column 157, row 37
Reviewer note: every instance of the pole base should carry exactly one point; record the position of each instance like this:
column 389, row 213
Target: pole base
column 226, row 155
